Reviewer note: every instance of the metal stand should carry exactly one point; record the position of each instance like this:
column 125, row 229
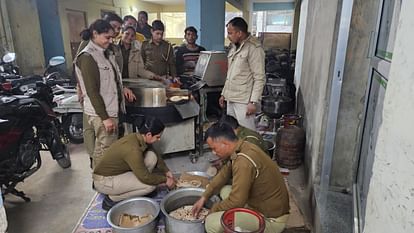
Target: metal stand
column 202, row 118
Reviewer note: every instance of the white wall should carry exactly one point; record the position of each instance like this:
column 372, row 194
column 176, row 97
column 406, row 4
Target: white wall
column 301, row 41
column 390, row 203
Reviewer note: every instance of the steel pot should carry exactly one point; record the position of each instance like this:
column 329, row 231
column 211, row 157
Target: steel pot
column 275, row 107
column 134, row 206
column 270, row 146
column 177, row 199
column 150, row 96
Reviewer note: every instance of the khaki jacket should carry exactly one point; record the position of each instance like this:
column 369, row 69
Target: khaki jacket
column 108, row 73
column 257, row 183
column 246, row 72
column 128, row 154
column 136, row 67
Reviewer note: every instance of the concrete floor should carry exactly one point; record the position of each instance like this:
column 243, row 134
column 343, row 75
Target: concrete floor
column 60, row 197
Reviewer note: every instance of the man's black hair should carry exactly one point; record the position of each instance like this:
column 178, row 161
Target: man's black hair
column 127, row 17
column 231, row 121
column 191, row 29
column 144, row 13
column 148, row 124
column 109, row 16
column 219, row 130
column 124, row 29
column 239, row 23
column 157, row 25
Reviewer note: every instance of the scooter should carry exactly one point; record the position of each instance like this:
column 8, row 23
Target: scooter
column 70, row 111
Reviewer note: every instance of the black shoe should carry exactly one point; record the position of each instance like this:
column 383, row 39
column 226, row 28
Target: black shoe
column 152, row 194
column 107, row 203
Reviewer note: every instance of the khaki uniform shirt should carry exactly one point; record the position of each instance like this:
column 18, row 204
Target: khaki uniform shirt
column 135, row 66
column 251, row 136
column 138, row 37
column 127, row 154
column 246, row 72
column 259, row 185
column 159, row 58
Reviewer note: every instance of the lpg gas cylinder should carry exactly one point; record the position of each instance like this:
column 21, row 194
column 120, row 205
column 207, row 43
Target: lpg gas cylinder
column 290, row 142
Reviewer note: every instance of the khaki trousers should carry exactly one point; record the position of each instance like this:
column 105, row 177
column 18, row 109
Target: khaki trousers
column 238, row 111
column 103, row 139
column 88, row 136
column 244, row 221
column 126, row 185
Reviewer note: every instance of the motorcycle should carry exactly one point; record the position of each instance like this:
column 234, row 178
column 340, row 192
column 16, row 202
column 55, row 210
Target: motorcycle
column 68, row 108
column 71, row 113
column 28, row 125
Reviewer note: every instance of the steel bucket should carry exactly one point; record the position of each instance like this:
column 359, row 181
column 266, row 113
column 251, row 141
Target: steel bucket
column 134, row 206
column 177, row 199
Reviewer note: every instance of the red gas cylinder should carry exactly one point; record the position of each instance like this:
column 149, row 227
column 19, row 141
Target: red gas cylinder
column 231, row 223
column 290, row 142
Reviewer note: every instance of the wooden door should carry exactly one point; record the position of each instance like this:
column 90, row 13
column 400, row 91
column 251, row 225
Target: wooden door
column 77, row 23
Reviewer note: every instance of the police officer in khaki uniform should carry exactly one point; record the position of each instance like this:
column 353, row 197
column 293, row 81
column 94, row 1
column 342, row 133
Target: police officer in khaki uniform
column 244, row 133
column 128, row 169
column 257, row 183
column 100, row 81
column 158, row 54
column 245, row 75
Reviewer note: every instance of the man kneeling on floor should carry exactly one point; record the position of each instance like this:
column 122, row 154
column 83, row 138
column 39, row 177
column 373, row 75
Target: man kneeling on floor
column 257, row 182
column 128, row 169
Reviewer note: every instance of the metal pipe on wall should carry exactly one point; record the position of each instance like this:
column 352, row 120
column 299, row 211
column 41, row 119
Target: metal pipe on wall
column 335, row 96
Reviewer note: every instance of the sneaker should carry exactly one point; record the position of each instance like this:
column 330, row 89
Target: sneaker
column 107, row 203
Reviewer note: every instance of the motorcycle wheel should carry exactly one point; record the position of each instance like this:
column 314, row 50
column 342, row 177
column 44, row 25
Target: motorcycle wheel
column 65, row 162
column 59, row 150
column 72, row 129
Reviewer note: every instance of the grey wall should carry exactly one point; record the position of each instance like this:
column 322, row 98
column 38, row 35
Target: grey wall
column 25, row 27
column 351, row 108
column 319, row 50
column 313, row 91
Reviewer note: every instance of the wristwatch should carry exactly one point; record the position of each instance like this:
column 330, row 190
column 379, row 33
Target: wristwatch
column 254, row 103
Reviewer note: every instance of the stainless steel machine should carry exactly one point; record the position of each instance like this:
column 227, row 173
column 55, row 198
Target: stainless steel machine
column 179, row 117
column 211, row 68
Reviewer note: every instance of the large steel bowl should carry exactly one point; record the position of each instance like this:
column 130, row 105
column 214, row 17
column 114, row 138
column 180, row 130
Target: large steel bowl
column 134, row 206
column 199, row 173
column 270, row 146
column 177, row 199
